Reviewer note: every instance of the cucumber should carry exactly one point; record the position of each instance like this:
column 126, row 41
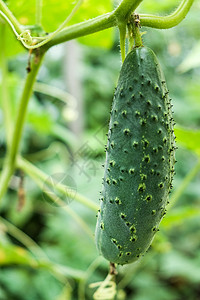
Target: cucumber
column 139, row 163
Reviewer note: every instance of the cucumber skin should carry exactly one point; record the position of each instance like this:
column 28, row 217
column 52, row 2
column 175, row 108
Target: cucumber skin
column 139, row 163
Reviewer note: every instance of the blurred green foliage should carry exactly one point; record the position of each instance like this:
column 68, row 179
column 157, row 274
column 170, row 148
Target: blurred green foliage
column 171, row 268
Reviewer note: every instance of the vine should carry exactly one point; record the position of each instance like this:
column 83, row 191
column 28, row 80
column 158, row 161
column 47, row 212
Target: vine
column 165, row 22
column 5, row 97
column 116, row 18
column 25, row 37
column 120, row 17
column 12, row 152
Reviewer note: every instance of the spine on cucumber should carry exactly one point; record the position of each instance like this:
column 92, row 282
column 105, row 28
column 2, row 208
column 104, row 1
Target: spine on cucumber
column 139, row 160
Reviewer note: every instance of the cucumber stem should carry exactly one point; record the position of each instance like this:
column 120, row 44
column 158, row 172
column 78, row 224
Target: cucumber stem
column 134, row 32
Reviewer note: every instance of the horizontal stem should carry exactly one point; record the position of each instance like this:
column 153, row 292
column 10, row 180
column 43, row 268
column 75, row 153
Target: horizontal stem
column 34, row 172
column 55, row 92
column 120, row 14
column 165, row 22
column 125, row 8
column 81, row 29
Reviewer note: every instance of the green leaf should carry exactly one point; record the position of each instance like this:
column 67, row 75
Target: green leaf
column 39, row 117
column 23, row 10
column 41, row 122
column 103, row 39
column 10, row 254
column 91, row 9
column 59, row 10
column 56, row 11
column 13, row 46
column 179, row 215
column 189, row 138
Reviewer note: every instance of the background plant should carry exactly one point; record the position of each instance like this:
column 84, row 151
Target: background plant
column 50, row 145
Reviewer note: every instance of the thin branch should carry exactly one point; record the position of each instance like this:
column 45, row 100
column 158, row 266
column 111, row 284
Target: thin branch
column 165, row 22
column 5, row 101
column 55, row 199
column 34, row 172
column 81, row 29
column 53, row 34
column 125, row 8
column 120, row 14
column 10, row 160
column 115, row 18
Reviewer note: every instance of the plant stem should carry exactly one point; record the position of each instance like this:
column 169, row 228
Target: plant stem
column 55, row 92
column 10, row 160
column 5, row 101
column 137, row 35
column 170, row 21
column 27, row 91
column 185, row 182
column 81, row 29
column 125, row 8
column 120, row 14
column 10, row 16
column 34, row 172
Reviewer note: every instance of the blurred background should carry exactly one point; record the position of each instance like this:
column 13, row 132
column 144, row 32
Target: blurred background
column 65, row 135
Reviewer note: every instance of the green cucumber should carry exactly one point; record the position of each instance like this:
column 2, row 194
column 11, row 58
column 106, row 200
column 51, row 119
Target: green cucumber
column 140, row 160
